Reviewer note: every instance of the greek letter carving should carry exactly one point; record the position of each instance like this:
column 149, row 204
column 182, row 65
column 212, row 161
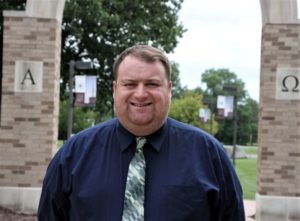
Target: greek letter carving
column 285, row 88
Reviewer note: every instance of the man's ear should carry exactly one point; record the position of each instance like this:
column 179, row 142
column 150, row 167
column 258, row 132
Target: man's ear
column 170, row 89
column 114, row 88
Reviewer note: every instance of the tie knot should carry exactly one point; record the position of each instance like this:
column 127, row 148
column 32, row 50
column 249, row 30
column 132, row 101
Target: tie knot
column 140, row 141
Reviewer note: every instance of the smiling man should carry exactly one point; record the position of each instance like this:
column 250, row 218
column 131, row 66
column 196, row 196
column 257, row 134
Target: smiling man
column 141, row 165
column 142, row 93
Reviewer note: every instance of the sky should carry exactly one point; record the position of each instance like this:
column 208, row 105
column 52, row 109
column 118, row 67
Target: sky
column 220, row 34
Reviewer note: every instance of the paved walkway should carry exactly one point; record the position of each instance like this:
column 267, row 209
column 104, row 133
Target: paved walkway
column 6, row 215
column 250, row 209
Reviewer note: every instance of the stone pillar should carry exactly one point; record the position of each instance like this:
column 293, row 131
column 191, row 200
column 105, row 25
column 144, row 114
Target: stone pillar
column 278, row 193
column 30, row 100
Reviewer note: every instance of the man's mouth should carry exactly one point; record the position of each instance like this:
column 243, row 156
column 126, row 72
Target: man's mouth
column 140, row 104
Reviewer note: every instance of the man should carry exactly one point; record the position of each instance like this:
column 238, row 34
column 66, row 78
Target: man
column 187, row 173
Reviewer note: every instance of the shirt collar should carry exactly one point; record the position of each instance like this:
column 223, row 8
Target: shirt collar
column 124, row 136
column 156, row 139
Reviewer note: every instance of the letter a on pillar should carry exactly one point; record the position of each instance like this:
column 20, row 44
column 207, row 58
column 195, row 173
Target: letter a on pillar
column 28, row 76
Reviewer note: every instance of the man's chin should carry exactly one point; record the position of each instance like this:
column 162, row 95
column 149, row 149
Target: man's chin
column 141, row 121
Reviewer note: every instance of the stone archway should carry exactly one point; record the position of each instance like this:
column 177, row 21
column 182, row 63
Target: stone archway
column 29, row 112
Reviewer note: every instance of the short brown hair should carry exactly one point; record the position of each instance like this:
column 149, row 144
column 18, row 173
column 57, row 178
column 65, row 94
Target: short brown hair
column 146, row 53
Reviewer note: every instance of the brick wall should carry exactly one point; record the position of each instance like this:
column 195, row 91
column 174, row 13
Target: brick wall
column 279, row 120
column 28, row 130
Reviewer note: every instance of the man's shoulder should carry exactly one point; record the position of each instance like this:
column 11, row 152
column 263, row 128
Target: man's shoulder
column 190, row 133
column 101, row 130
column 185, row 128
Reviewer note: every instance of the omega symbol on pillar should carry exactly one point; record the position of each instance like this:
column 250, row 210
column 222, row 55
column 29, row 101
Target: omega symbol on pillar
column 290, row 83
column 28, row 77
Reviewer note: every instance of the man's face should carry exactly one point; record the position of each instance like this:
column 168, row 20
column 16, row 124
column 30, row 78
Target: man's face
column 142, row 95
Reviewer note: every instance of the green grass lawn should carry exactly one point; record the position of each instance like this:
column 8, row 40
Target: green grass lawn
column 246, row 170
column 250, row 149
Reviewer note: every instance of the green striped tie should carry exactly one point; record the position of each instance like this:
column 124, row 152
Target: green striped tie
column 135, row 185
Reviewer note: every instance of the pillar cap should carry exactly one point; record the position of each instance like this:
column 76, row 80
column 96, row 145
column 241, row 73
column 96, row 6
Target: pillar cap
column 279, row 11
column 49, row 9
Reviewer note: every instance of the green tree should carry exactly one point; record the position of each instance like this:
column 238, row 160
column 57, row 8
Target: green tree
column 186, row 109
column 215, row 80
column 247, row 124
column 100, row 29
column 82, row 118
column 177, row 89
column 248, row 121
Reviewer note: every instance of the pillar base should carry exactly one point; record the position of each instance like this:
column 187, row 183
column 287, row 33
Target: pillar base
column 277, row 208
column 20, row 199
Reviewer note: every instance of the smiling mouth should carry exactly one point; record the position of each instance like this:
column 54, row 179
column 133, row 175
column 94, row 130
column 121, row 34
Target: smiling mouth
column 140, row 104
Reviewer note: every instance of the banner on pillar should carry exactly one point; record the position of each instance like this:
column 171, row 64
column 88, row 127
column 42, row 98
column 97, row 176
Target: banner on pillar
column 225, row 106
column 85, row 90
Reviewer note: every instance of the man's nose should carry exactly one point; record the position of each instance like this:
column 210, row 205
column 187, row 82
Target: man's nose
column 141, row 91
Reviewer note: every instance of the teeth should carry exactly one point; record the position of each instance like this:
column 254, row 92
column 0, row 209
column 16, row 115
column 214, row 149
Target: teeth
column 140, row 105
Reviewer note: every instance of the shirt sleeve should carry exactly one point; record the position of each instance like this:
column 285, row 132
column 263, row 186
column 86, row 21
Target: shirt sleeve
column 229, row 203
column 54, row 204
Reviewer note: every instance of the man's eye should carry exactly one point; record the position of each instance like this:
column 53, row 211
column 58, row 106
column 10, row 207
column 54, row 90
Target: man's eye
column 129, row 85
column 152, row 84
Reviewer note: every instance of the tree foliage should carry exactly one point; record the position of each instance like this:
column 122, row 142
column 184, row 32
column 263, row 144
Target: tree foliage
column 248, row 121
column 215, row 81
column 177, row 89
column 100, row 29
column 82, row 118
column 186, row 109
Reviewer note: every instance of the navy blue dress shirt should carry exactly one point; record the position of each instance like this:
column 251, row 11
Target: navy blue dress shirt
column 188, row 176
